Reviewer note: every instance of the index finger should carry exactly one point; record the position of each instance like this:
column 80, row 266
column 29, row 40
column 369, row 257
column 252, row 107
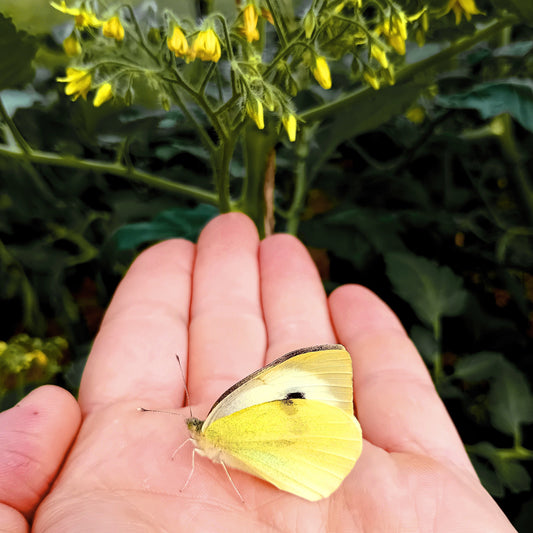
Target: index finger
column 397, row 404
column 146, row 324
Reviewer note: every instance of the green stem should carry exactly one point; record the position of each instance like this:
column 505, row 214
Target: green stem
column 300, row 180
column 19, row 139
column 202, row 103
column 140, row 34
column 116, row 169
column 522, row 181
column 438, row 369
column 221, row 166
column 278, row 23
column 410, row 71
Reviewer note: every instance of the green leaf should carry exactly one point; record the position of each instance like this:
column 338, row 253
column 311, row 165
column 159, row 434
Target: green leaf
column 351, row 233
column 16, row 65
column 425, row 343
column 178, row 222
column 522, row 8
column 513, row 475
column 433, row 291
column 516, row 49
column 478, row 366
column 488, row 478
column 509, row 400
column 369, row 110
column 513, row 96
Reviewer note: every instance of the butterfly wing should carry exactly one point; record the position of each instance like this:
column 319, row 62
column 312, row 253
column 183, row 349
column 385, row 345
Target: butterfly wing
column 322, row 373
column 304, row 447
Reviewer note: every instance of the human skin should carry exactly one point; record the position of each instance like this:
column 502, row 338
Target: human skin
column 227, row 306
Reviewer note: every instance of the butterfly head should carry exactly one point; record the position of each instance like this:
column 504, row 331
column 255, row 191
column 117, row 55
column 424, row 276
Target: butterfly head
column 194, row 425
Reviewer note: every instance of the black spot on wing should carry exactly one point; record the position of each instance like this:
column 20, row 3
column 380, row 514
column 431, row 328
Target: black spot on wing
column 295, row 395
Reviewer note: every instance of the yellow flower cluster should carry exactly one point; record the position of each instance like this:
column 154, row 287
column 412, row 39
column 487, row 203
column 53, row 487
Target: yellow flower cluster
column 460, row 7
column 113, row 28
column 177, row 42
column 84, row 18
column 250, row 17
column 79, row 84
column 206, row 45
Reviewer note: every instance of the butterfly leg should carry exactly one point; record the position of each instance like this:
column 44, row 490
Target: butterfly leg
column 194, row 451
column 231, row 481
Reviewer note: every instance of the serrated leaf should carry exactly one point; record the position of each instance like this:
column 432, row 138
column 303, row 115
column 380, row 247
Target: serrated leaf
column 16, row 66
column 513, row 96
column 478, row 366
column 178, row 222
column 433, row 291
column 510, row 401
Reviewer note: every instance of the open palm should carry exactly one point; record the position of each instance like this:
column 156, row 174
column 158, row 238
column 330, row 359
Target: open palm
column 228, row 306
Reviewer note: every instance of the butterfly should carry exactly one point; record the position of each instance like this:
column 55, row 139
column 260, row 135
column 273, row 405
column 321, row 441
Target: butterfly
column 290, row 423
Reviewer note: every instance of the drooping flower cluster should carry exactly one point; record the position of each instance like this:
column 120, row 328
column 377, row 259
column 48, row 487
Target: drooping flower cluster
column 374, row 35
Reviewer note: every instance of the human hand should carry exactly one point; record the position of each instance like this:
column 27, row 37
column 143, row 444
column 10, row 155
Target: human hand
column 228, row 306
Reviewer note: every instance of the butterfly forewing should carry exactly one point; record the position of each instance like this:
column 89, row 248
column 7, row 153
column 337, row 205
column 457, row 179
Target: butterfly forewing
column 322, row 373
column 305, row 447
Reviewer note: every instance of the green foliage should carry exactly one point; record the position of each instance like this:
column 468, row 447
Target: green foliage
column 433, row 291
column 179, row 221
column 16, row 67
column 27, row 362
column 494, row 98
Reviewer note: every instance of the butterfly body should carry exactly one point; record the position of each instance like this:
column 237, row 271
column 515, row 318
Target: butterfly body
column 290, row 423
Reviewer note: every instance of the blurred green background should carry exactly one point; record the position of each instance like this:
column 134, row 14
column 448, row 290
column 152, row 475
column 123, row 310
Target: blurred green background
column 422, row 191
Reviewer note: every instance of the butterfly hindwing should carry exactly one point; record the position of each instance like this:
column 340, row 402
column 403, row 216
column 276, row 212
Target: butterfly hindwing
column 302, row 446
column 322, row 373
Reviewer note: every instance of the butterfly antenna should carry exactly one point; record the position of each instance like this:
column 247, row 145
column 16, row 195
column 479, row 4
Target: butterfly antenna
column 185, row 385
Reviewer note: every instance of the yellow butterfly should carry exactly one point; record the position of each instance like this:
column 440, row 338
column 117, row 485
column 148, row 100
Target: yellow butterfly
column 290, row 423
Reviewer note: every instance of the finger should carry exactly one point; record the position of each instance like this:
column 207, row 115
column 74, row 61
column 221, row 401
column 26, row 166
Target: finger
column 35, row 437
column 397, row 404
column 11, row 521
column 133, row 355
column 294, row 302
column 227, row 333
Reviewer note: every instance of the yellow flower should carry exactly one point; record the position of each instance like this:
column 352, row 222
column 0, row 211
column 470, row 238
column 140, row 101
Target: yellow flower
column 82, row 17
column 177, row 42
column 37, row 355
column 113, row 28
column 395, row 33
column 321, row 72
column 78, row 83
column 72, row 46
column 468, row 7
column 380, row 55
column 416, row 115
column 395, row 28
column 206, row 46
column 289, row 123
column 371, row 79
column 250, row 17
column 103, row 94
column 254, row 108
